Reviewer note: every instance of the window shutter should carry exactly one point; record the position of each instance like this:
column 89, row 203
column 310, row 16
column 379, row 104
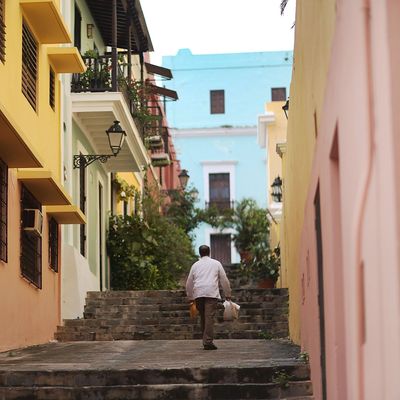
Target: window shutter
column 29, row 65
column 2, row 32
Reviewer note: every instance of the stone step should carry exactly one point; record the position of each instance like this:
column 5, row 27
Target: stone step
column 296, row 370
column 144, row 335
column 158, row 392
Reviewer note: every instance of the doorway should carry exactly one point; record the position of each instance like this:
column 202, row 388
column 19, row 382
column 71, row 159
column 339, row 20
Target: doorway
column 221, row 248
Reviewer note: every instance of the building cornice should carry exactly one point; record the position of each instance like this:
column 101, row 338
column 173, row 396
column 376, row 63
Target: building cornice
column 205, row 132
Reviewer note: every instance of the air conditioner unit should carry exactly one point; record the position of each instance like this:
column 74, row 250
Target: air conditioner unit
column 32, row 221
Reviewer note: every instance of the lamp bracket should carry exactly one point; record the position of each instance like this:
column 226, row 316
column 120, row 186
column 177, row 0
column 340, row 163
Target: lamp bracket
column 83, row 160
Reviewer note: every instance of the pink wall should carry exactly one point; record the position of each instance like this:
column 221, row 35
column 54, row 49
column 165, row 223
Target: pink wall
column 360, row 197
column 27, row 315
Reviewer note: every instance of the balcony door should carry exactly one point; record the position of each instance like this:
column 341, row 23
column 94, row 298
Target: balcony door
column 220, row 193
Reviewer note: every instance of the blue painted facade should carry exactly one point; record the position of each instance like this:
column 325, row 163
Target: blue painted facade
column 217, row 143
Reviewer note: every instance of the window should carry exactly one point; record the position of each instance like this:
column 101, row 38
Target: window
column 29, row 65
column 82, row 205
column 125, row 208
column 52, row 89
column 278, row 94
column 3, row 210
column 31, row 244
column 2, row 32
column 220, row 196
column 217, row 101
column 221, row 248
column 77, row 28
column 53, row 244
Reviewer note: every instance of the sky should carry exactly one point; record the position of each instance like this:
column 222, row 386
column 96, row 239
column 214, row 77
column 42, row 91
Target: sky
column 218, row 26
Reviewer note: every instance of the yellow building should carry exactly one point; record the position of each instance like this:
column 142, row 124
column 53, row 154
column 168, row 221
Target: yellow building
column 311, row 61
column 272, row 135
column 33, row 201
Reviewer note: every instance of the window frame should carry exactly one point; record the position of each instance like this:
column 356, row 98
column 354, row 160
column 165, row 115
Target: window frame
column 53, row 245
column 31, row 272
column 217, row 101
column 3, row 211
column 30, row 65
column 52, row 89
column 279, row 97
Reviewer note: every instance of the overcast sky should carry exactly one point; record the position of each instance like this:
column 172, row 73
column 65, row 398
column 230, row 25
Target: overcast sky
column 218, row 26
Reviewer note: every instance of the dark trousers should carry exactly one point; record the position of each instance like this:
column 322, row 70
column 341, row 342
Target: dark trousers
column 207, row 307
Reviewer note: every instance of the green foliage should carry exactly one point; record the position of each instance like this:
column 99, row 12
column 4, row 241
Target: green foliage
column 304, row 357
column 252, row 237
column 147, row 251
column 282, row 378
column 265, row 335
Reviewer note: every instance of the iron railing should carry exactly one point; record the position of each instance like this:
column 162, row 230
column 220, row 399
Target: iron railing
column 221, row 204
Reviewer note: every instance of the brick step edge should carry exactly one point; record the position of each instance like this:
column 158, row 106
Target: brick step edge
column 153, row 392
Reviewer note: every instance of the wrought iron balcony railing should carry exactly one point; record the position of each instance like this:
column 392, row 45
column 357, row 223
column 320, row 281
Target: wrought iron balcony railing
column 221, row 204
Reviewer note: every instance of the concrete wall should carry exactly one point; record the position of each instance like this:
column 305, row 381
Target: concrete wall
column 28, row 315
column 356, row 170
column 247, row 79
column 313, row 38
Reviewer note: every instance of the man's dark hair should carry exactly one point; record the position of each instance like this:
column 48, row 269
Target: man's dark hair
column 204, row 250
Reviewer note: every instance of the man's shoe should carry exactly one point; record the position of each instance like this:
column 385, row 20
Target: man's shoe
column 210, row 346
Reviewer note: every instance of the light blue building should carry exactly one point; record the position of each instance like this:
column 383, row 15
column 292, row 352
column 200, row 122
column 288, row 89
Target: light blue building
column 215, row 127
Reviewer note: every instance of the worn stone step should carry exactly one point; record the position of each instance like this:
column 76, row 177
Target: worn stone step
column 196, row 391
column 100, row 377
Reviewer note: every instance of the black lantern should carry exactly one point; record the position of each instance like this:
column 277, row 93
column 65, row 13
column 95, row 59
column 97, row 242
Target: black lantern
column 285, row 108
column 116, row 136
column 183, row 178
column 277, row 189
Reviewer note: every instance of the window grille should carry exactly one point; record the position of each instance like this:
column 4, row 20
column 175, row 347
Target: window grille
column 217, row 101
column 31, row 244
column 2, row 32
column 53, row 244
column 278, row 94
column 52, row 89
column 3, row 210
column 29, row 65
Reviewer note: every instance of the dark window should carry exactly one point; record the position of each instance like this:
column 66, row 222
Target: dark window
column 82, row 205
column 53, row 244
column 77, row 28
column 31, row 244
column 2, row 32
column 221, row 248
column 220, row 195
column 3, row 210
column 125, row 208
column 29, row 65
column 217, row 101
column 278, row 94
column 52, row 89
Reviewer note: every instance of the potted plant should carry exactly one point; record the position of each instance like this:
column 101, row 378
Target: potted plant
column 264, row 266
column 252, row 227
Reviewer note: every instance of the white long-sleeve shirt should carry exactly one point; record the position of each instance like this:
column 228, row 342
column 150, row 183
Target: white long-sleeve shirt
column 204, row 278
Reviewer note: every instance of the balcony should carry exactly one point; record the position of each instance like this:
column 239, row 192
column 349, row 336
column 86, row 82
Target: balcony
column 160, row 156
column 98, row 98
column 221, row 205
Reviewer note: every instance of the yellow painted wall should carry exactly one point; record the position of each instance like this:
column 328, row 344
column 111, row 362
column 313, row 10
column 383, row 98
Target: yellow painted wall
column 42, row 126
column 315, row 21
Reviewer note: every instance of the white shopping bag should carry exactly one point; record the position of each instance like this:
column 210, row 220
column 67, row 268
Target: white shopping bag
column 231, row 311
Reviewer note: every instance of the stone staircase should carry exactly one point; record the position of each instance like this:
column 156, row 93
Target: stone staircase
column 125, row 370
column 164, row 315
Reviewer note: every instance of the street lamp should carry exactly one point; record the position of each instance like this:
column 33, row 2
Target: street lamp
column 116, row 136
column 277, row 189
column 183, row 178
column 285, row 108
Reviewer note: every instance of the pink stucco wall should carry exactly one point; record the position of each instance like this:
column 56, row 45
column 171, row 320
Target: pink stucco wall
column 357, row 178
column 28, row 315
